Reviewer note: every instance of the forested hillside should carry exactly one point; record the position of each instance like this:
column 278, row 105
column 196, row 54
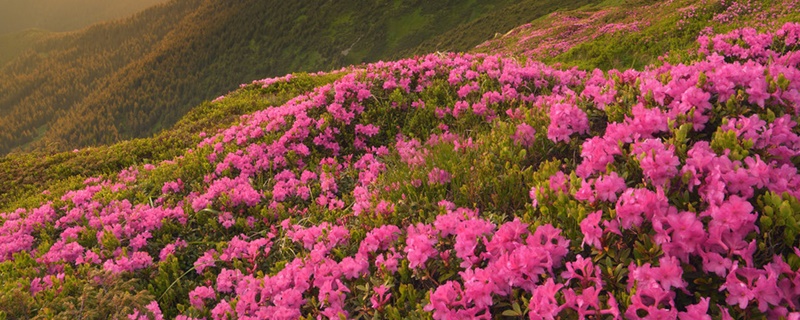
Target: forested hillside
column 42, row 86
column 15, row 43
column 64, row 15
column 142, row 74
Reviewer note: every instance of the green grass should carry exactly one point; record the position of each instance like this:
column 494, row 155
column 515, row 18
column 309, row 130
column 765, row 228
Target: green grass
column 406, row 25
column 499, row 20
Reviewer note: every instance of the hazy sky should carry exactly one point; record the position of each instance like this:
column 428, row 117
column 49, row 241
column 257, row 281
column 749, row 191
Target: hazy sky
column 64, row 15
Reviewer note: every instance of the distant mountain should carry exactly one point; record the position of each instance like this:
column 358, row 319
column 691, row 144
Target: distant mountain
column 133, row 77
column 12, row 44
column 64, row 15
column 42, row 85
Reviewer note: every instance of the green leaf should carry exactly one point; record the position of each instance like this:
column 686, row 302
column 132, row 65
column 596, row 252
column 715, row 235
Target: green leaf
column 512, row 313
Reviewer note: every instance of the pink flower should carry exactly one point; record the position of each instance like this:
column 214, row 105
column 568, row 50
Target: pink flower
column 524, row 135
column 154, row 310
column 367, row 130
column 388, row 261
column 714, row 262
column 558, row 182
column 584, row 271
column 419, row 244
column 585, row 193
column 411, row 152
column 172, row 186
column 221, row 311
column 669, row 273
column 586, row 303
column 507, row 238
column 468, row 234
column 199, row 294
column 597, row 153
column 478, row 287
column 439, row 176
column 380, row 298
column 379, row 239
column 590, row 227
column 697, row 311
column 566, row 119
column 226, row 219
column 658, row 162
column 543, row 303
column 739, row 293
column 205, row 261
column 607, row 187
column 166, row 252
column 354, row 267
column 533, row 197
column 227, row 279
column 687, row 235
column 757, row 91
column 442, row 298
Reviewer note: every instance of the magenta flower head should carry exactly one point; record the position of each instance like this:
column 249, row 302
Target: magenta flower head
column 524, row 135
column 590, row 227
column 566, row 119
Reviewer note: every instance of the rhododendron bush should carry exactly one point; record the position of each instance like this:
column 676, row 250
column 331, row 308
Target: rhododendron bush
column 452, row 186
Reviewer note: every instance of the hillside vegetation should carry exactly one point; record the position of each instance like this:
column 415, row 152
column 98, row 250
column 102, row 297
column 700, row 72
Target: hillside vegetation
column 41, row 86
column 444, row 186
column 15, row 43
column 634, row 33
column 64, row 15
column 140, row 75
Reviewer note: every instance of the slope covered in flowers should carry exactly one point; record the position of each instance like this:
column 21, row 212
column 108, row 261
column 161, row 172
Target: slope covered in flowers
column 635, row 33
column 450, row 186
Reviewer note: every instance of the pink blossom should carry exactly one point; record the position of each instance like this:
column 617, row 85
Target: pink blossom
column 607, row 187
column 221, row 311
column 658, row 161
column 524, row 135
column 199, row 294
column 419, row 248
column 380, row 298
column 439, row 176
column 205, row 261
column 566, row 119
column 590, row 227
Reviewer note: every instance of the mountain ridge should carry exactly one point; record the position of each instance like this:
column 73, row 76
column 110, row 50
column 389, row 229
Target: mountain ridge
column 60, row 16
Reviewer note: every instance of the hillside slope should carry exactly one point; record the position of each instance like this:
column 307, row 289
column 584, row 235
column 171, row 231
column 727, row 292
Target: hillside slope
column 41, row 86
column 634, row 33
column 443, row 186
column 64, row 15
column 141, row 81
column 15, row 43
